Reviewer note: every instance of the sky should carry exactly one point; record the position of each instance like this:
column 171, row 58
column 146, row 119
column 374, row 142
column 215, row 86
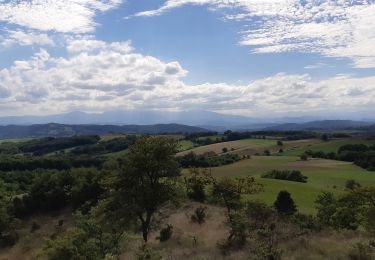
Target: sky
column 257, row 58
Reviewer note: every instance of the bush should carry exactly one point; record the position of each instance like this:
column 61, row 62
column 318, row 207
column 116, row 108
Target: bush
column 165, row 233
column 361, row 252
column 284, row 203
column 352, row 184
column 304, row 157
column 287, row 175
column 199, row 215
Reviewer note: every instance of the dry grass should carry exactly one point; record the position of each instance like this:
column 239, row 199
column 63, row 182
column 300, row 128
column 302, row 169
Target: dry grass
column 31, row 244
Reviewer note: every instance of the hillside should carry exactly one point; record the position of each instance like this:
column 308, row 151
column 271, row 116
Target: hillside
column 61, row 130
column 324, row 125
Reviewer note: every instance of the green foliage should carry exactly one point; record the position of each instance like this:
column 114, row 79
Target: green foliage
column 352, row 184
column 345, row 212
column 87, row 240
column 267, row 240
column 361, row 251
column 326, row 206
column 258, row 213
column 146, row 253
column 208, row 159
column 284, row 203
column 228, row 191
column 195, row 184
column 146, row 181
column 110, row 146
column 286, row 175
column 304, row 157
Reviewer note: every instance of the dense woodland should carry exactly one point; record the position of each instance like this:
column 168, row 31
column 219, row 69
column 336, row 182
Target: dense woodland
column 120, row 190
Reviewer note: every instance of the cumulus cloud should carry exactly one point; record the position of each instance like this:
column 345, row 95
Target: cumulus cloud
column 24, row 38
column 100, row 76
column 64, row 16
column 340, row 28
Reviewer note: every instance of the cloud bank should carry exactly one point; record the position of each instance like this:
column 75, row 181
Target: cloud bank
column 63, row 16
column 99, row 76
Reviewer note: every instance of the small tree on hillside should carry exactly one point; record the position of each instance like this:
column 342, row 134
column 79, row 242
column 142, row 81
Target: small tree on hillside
column 324, row 137
column 146, row 181
column 284, row 203
column 228, row 191
column 280, row 143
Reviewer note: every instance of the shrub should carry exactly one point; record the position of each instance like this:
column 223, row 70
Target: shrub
column 287, row 175
column 225, row 150
column 165, row 233
column 34, row 227
column 361, row 252
column 284, row 203
column 146, row 253
column 352, row 184
column 304, row 157
column 199, row 215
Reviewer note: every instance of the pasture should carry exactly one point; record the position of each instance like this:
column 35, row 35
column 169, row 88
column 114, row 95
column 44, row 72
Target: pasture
column 323, row 175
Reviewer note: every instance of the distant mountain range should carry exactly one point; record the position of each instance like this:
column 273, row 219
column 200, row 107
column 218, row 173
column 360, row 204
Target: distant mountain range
column 62, row 130
column 142, row 121
column 204, row 119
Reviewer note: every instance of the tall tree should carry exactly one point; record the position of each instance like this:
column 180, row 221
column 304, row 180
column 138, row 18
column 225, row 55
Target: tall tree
column 145, row 182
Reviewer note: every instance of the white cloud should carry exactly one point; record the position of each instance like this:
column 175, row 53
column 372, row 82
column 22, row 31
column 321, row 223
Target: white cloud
column 104, row 76
column 24, row 38
column 64, row 16
column 333, row 28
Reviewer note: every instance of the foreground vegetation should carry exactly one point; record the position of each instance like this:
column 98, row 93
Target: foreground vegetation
column 231, row 196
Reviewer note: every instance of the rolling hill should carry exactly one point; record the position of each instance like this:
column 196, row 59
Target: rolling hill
column 62, row 130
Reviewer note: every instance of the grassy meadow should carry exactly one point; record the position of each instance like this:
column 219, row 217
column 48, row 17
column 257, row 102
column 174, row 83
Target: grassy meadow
column 323, row 175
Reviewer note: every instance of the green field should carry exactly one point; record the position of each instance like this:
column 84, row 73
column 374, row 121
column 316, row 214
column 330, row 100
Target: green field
column 330, row 146
column 185, row 145
column 18, row 140
column 324, row 175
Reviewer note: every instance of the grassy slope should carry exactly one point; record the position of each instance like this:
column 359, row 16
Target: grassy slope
column 253, row 144
column 330, row 146
column 324, row 175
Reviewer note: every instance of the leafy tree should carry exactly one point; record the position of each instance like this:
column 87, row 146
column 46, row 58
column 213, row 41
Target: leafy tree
column 196, row 183
column 228, row 191
column 146, row 180
column 284, row 203
column 225, row 150
column 280, row 143
column 326, row 206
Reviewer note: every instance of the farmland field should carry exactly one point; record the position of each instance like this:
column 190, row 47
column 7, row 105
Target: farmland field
column 323, row 175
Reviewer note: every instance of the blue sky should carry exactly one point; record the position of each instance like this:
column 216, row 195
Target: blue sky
column 247, row 57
